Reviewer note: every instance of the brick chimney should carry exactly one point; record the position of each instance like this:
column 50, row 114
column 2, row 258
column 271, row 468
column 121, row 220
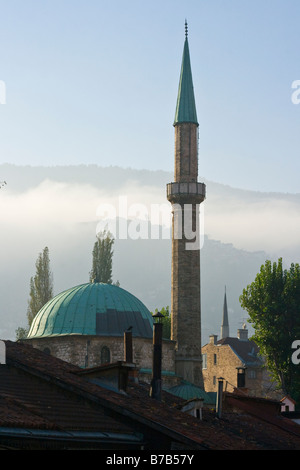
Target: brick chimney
column 213, row 339
column 128, row 356
column 242, row 333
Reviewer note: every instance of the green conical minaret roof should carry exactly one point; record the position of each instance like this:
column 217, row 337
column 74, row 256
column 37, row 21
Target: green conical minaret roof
column 185, row 107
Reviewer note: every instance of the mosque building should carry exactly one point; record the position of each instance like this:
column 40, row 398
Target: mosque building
column 85, row 324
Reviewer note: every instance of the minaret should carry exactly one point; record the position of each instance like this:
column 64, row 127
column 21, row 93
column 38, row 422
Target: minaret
column 185, row 195
column 225, row 324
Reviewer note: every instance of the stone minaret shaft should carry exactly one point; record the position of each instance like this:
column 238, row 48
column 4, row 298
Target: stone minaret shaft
column 185, row 195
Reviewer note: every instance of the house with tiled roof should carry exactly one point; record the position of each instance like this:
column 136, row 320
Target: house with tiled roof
column 237, row 361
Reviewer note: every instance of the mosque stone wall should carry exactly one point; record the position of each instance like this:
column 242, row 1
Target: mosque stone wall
column 86, row 351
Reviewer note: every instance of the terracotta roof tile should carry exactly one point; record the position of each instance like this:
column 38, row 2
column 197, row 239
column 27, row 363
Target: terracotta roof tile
column 59, row 390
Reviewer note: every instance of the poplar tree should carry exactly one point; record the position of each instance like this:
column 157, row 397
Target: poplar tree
column 102, row 258
column 41, row 285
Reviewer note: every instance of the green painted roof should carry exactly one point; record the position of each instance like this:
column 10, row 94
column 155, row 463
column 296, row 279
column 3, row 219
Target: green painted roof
column 188, row 391
column 185, row 107
column 92, row 309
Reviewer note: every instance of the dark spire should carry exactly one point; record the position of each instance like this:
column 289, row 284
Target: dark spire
column 186, row 107
column 225, row 324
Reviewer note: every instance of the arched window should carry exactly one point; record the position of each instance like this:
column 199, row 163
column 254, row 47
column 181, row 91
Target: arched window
column 105, row 355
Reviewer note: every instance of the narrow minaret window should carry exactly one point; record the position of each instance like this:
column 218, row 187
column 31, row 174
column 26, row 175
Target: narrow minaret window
column 185, row 194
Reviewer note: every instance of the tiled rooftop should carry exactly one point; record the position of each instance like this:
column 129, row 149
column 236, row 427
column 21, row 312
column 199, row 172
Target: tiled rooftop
column 38, row 391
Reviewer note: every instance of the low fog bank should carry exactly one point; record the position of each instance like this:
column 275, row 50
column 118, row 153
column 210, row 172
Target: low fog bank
column 59, row 208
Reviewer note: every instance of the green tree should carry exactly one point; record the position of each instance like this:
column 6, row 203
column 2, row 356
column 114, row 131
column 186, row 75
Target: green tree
column 102, row 258
column 166, row 322
column 41, row 285
column 21, row 333
column 273, row 304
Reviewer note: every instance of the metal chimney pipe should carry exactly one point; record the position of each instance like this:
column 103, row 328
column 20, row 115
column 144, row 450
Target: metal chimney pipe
column 128, row 352
column 220, row 397
column 155, row 389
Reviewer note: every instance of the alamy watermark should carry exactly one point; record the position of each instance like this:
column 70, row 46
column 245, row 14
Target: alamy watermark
column 295, row 97
column 296, row 94
column 296, row 354
column 2, row 92
column 137, row 221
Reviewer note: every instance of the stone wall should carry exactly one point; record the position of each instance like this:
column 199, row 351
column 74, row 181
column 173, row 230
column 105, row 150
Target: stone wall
column 186, row 152
column 85, row 351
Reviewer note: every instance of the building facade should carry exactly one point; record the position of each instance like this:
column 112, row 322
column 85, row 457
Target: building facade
column 237, row 361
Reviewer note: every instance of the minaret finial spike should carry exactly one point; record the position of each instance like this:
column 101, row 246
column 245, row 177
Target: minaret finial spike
column 186, row 29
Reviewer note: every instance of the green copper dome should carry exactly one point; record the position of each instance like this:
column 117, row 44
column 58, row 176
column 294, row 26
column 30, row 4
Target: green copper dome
column 92, row 309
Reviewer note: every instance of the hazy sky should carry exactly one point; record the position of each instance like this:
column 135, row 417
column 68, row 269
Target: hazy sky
column 96, row 81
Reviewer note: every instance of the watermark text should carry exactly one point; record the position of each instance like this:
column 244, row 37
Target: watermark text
column 296, row 94
column 296, row 354
column 2, row 92
column 137, row 221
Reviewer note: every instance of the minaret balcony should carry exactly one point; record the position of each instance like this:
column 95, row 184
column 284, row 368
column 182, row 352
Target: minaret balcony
column 186, row 192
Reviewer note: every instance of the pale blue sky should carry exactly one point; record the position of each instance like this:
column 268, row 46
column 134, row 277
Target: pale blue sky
column 96, row 81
